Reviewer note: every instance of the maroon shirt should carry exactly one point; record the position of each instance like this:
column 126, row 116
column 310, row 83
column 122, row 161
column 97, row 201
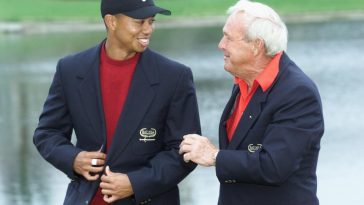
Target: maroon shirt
column 115, row 78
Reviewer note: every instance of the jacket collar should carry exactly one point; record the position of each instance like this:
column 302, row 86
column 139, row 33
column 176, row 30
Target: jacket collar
column 92, row 62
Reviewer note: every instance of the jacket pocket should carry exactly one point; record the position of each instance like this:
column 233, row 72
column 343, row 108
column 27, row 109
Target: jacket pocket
column 148, row 139
column 253, row 141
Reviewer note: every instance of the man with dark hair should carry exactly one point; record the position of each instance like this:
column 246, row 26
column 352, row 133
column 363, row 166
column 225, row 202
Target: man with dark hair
column 128, row 107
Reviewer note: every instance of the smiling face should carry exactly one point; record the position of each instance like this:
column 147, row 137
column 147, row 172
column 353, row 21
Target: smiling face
column 238, row 52
column 129, row 35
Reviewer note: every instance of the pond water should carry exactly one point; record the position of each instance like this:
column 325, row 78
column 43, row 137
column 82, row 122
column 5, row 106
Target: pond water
column 331, row 53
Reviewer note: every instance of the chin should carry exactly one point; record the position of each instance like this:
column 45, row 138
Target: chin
column 140, row 50
column 229, row 71
column 227, row 68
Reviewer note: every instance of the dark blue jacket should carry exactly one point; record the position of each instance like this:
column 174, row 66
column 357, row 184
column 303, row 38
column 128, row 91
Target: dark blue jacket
column 161, row 101
column 272, row 157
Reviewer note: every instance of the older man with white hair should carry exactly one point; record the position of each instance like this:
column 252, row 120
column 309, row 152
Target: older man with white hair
column 270, row 130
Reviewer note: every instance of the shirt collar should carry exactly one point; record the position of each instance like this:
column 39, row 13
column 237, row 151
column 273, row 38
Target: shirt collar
column 266, row 78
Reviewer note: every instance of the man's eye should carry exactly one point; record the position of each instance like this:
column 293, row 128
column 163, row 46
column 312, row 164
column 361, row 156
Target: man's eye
column 139, row 21
column 227, row 37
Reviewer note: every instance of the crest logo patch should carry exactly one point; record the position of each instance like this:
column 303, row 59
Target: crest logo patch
column 147, row 134
column 253, row 148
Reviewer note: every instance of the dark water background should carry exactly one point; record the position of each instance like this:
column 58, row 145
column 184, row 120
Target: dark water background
column 331, row 53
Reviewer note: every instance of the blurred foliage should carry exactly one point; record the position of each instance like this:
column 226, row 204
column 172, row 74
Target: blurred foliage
column 49, row 10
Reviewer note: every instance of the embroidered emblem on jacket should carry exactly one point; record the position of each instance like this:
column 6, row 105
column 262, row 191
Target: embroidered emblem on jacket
column 147, row 134
column 253, row 148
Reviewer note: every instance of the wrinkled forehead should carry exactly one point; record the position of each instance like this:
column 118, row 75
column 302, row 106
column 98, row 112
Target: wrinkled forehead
column 234, row 24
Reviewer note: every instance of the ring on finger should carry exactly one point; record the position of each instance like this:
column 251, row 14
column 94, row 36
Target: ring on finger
column 94, row 162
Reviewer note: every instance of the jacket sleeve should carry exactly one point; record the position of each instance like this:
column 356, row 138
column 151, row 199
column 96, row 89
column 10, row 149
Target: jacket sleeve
column 52, row 137
column 167, row 168
column 292, row 135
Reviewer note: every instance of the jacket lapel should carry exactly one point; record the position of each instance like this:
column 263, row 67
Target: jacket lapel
column 140, row 97
column 250, row 115
column 90, row 92
column 223, row 141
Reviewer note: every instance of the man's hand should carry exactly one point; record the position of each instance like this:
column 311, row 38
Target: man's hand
column 88, row 164
column 115, row 186
column 198, row 149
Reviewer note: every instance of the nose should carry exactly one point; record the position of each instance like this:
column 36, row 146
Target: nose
column 148, row 27
column 221, row 44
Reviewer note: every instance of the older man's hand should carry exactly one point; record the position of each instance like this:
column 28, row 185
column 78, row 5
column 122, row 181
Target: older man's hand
column 198, row 149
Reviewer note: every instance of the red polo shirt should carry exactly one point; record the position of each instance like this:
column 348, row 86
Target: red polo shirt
column 265, row 79
column 115, row 80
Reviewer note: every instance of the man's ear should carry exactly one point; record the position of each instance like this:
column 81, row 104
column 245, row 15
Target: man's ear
column 255, row 51
column 259, row 43
column 258, row 46
column 110, row 22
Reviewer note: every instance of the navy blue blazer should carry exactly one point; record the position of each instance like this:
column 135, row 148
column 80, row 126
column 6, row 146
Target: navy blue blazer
column 273, row 154
column 160, row 108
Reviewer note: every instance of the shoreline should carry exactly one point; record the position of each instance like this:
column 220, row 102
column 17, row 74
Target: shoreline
column 33, row 27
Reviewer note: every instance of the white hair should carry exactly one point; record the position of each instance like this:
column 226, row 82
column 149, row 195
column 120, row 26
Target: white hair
column 262, row 22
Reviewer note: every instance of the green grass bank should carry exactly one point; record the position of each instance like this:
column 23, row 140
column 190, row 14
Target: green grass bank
column 88, row 10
